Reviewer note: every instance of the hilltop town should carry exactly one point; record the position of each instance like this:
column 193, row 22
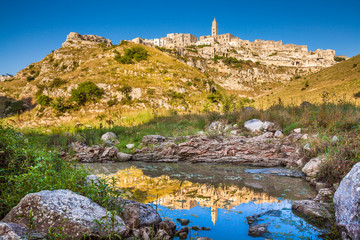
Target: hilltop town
column 267, row 52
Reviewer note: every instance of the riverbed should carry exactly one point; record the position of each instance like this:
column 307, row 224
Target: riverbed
column 219, row 197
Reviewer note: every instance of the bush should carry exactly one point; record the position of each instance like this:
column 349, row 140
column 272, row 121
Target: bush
column 85, row 92
column 43, row 100
column 61, row 105
column 136, row 53
column 14, row 107
column 57, row 82
column 126, row 90
column 339, row 59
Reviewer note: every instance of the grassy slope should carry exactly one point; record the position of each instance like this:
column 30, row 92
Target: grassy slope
column 160, row 72
column 340, row 81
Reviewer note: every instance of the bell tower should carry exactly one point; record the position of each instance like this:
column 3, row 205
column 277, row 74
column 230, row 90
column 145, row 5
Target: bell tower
column 214, row 28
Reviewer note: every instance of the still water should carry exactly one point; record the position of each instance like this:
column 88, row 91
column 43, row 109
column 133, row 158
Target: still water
column 215, row 196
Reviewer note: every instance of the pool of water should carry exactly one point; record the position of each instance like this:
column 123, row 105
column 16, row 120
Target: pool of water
column 215, row 196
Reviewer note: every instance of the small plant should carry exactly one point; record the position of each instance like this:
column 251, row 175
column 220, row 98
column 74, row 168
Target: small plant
column 61, row 105
column 126, row 90
column 112, row 102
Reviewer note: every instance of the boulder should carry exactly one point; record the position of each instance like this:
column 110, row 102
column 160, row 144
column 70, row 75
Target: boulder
column 268, row 126
column 312, row 168
column 316, row 213
column 254, row 125
column 109, row 136
column 123, row 157
column 13, row 231
column 153, row 139
column 137, row 215
column 347, row 204
column 76, row 215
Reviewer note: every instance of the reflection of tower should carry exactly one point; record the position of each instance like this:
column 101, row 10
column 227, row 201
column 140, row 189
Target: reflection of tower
column 214, row 214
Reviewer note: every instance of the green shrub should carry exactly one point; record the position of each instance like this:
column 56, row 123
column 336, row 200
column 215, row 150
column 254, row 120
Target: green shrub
column 30, row 78
column 43, row 100
column 112, row 102
column 339, row 59
column 136, row 53
column 61, row 105
column 85, row 92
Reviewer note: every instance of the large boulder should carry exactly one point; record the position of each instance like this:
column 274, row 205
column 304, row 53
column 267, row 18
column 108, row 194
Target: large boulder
column 312, row 168
column 315, row 212
column 347, row 204
column 76, row 215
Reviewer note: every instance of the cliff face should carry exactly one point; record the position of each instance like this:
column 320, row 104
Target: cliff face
column 76, row 40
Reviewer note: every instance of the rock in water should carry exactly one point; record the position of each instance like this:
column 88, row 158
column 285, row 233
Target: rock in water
column 75, row 214
column 347, row 204
column 183, row 222
column 314, row 212
column 109, row 136
column 259, row 230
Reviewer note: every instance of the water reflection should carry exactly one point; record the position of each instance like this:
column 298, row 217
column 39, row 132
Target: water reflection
column 220, row 196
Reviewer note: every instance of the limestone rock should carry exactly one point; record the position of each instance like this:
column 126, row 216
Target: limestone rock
column 77, row 40
column 130, row 146
column 96, row 153
column 153, row 139
column 297, row 130
column 123, row 157
column 254, row 125
column 335, row 139
column 109, row 136
column 138, row 215
column 315, row 212
column 278, row 134
column 76, row 214
column 12, row 231
column 92, row 179
column 347, row 204
column 168, row 226
column 313, row 166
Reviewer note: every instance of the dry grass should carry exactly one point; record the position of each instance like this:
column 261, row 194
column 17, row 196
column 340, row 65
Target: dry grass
column 339, row 83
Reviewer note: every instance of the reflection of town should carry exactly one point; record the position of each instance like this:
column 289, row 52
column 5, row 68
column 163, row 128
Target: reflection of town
column 177, row 194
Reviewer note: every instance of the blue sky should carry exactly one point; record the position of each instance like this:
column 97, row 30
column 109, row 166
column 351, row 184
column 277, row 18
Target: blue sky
column 32, row 29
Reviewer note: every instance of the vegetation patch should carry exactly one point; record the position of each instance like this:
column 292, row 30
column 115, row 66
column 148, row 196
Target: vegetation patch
column 136, row 53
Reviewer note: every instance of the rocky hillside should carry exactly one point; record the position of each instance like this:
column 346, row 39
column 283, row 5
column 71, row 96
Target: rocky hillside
column 250, row 70
column 337, row 83
column 156, row 81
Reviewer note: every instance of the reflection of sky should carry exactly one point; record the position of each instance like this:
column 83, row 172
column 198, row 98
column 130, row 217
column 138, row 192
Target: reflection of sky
column 232, row 224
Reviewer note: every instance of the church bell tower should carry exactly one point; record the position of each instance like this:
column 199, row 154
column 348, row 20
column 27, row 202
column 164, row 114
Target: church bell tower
column 214, row 28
